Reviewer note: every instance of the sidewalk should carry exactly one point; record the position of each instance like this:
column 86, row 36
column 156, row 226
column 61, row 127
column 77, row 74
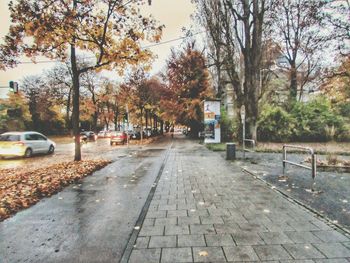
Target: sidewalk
column 205, row 209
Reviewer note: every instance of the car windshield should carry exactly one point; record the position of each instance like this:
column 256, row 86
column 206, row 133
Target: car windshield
column 9, row 137
column 117, row 133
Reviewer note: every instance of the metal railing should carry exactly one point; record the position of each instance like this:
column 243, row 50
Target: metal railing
column 313, row 161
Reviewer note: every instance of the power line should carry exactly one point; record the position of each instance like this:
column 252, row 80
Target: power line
column 149, row 46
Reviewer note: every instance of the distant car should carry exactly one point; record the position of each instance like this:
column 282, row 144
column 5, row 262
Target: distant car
column 88, row 136
column 118, row 137
column 25, row 144
column 101, row 134
column 135, row 135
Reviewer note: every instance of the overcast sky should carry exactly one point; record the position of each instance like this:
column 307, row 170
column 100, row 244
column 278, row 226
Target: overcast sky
column 174, row 14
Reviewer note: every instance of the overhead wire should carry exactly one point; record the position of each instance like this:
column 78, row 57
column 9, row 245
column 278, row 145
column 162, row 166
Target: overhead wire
column 145, row 47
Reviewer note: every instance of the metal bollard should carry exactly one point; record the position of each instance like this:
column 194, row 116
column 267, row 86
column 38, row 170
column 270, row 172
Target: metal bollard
column 230, row 151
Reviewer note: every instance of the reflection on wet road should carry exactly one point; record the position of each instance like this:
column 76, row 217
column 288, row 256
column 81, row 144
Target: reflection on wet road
column 89, row 221
column 64, row 152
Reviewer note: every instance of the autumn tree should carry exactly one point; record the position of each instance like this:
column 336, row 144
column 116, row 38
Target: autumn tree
column 188, row 80
column 297, row 26
column 109, row 30
column 59, row 78
column 336, row 15
column 14, row 113
column 43, row 105
column 247, row 23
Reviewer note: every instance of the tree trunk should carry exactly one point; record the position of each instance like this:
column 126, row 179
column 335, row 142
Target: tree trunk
column 68, row 119
column 293, row 83
column 141, row 131
column 75, row 114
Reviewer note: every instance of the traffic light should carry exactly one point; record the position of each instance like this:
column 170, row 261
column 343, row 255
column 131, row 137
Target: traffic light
column 13, row 86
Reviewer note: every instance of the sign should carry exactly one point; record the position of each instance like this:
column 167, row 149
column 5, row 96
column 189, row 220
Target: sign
column 212, row 116
column 243, row 113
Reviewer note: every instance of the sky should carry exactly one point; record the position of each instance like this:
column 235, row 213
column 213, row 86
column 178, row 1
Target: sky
column 174, row 14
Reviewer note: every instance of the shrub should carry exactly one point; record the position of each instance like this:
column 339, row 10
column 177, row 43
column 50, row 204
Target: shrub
column 227, row 126
column 315, row 120
column 275, row 124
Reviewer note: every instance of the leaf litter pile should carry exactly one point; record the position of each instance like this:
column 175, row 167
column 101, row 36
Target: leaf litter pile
column 21, row 189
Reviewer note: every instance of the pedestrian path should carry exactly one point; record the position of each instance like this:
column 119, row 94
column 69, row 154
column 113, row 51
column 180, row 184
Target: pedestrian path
column 205, row 209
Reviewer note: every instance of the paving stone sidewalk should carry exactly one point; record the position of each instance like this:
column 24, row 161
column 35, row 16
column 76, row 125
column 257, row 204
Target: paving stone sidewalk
column 205, row 209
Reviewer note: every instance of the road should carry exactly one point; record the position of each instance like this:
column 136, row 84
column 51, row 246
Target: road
column 65, row 152
column 90, row 221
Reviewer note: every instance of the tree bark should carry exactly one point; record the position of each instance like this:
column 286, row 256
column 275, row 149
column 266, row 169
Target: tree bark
column 68, row 119
column 75, row 114
column 293, row 83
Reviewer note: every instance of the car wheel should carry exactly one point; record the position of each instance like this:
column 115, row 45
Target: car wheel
column 28, row 153
column 51, row 149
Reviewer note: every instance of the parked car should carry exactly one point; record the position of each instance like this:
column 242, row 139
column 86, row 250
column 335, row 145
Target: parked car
column 102, row 134
column 135, row 135
column 25, row 144
column 86, row 136
column 118, row 137
column 148, row 132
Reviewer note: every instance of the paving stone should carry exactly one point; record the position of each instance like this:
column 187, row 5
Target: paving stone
column 141, row 242
column 167, row 207
column 219, row 211
column 198, row 212
column 165, row 221
column 347, row 244
column 145, row 255
column 177, row 230
column 215, row 254
column 240, row 253
column 252, row 227
column 234, row 217
column 177, row 202
column 148, row 222
column 277, row 227
column 188, row 220
column 247, row 238
column 275, row 238
column 156, row 214
column 186, row 206
column 321, row 225
column 297, row 261
column 151, row 231
column 271, row 252
column 228, row 228
column 219, row 240
column 202, row 229
column 211, row 220
column 190, row 241
column 338, row 260
column 176, row 213
column 333, row 250
column 162, row 241
column 171, row 255
column 303, row 237
column 303, row 226
column 331, row 236
column 303, row 251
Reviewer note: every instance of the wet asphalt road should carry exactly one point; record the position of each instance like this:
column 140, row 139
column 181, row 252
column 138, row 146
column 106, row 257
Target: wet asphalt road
column 65, row 152
column 90, row 221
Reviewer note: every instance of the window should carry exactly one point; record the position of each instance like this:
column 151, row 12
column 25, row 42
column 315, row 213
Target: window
column 9, row 137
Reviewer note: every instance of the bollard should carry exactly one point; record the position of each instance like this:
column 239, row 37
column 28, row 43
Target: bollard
column 230, row 151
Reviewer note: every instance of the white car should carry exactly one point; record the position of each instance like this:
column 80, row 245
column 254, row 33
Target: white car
column 25, row 144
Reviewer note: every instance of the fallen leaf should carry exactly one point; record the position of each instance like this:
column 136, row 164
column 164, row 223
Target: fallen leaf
column 203, row 253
